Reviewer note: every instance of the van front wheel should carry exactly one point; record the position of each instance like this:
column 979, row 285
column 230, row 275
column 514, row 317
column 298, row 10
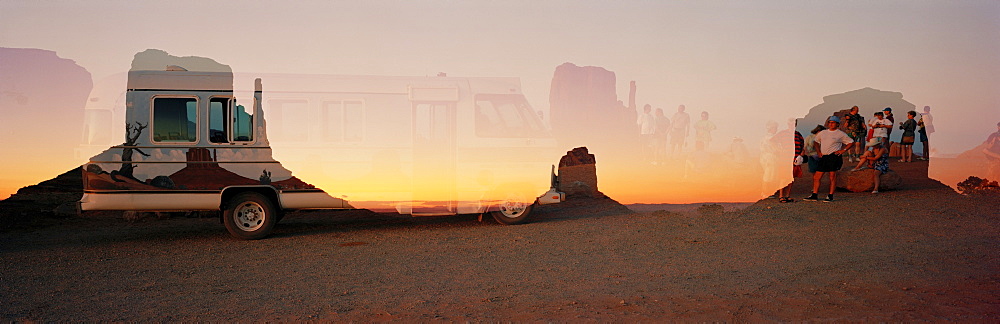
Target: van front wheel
column 513, row 211
column 250, row 216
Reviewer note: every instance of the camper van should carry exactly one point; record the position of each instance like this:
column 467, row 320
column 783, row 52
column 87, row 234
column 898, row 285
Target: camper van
column 422, row 146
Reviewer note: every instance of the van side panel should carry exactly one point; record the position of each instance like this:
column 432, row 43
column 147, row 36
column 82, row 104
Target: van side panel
column 149, row 201
column 310, row 200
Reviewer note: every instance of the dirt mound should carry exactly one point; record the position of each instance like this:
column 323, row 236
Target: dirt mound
column 53, row 198
column 580, row 207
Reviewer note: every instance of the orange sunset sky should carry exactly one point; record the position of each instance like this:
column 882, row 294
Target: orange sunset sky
column 746, row 62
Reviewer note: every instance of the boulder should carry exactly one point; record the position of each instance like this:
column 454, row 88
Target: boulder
column 860, row 181
column 162, row 182
column 578, row 174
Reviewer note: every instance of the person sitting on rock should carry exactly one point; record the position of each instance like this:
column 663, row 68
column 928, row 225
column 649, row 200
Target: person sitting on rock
column 877, row 158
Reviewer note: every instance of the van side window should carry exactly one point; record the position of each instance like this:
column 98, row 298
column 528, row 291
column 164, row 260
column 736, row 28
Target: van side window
column 343, row 121
column 217, row 120
column 288, row 120
column 175, row 120
column 432, row 122
column 506, row 116
column 242, row 124
column 95, row 129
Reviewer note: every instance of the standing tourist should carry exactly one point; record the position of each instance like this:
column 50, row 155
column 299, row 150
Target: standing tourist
column 647, row 127
column 812, row 156
column 926, row 124
column 892, row 119
column 703, row 130
column 854, row 126
column 660, row 140
column 680, row 129
column 830, row 144
column 906, row 142
column 786, row 192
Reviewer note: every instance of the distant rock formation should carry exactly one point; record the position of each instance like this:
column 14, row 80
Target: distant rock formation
column 42, row 99
column 975, row 153
column 578, row 174
column 868, row 101
column 158, row 60
column 585, row 110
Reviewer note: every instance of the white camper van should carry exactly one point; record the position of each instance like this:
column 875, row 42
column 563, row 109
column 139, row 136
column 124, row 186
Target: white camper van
column 413, row 145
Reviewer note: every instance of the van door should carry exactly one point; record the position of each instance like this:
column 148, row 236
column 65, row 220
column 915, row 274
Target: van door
column 434, row 146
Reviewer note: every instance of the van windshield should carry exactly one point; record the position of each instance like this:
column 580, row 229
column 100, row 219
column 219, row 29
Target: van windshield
column 504, row 115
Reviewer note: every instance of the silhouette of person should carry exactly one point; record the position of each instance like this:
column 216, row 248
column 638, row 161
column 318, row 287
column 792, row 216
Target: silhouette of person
column 926, row 124
column 647, row 128
column 703, row 130
column 660, row 140
column 789, row 140
column 738, row 153
column 768, row 159
column 680, row 129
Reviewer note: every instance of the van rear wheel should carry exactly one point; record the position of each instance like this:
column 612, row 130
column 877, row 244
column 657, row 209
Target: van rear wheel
column 250, row 216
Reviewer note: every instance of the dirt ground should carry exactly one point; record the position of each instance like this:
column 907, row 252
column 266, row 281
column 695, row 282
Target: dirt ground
column 919, row 253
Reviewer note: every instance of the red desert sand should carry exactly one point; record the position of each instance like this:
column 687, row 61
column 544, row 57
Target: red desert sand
column 920, row 253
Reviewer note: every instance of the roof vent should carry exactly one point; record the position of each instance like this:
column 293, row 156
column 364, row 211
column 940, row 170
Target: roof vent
column 175, row 68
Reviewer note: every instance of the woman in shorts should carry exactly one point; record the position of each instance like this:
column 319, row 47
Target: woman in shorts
column 906, row 142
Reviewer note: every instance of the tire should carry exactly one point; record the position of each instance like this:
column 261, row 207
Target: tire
column 250, row 216
column 513, row 212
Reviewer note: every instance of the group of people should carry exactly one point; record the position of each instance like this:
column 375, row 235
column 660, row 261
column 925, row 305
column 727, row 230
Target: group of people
column 661, row 137
column 824, row 149
column 881, row 125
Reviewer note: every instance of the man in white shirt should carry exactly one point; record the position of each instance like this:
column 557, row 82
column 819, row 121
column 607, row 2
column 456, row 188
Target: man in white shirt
column 880, row 128
column 830, row 144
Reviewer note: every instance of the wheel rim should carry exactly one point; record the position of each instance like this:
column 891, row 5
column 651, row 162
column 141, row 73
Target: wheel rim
column 249, row 216
column 513, row 208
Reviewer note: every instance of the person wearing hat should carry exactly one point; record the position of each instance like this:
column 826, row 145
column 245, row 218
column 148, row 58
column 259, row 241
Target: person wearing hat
column 877, row 158
column 830, row 145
